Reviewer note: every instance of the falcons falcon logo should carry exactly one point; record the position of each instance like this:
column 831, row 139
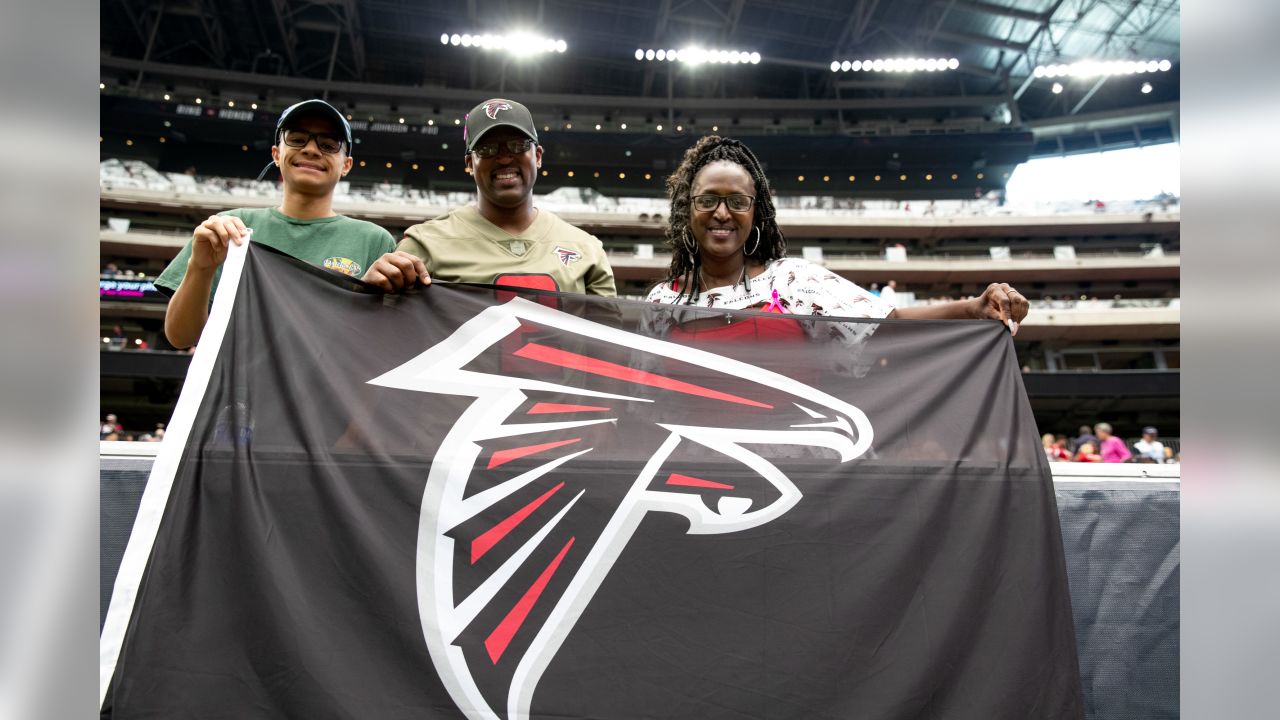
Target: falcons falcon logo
column 577, row 432
column 491, row 108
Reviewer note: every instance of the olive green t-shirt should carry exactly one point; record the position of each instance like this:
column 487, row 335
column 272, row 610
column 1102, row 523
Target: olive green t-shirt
column 337, row 243
column 551, row 254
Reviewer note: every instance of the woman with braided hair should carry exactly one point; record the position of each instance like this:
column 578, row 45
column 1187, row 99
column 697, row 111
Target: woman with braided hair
column 728, row 252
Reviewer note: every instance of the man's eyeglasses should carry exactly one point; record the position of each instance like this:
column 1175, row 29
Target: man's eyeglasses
column 299, row 138
column 513, row 147
column 736, row 203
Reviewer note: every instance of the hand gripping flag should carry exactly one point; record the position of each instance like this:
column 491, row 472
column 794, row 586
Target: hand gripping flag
column 471, row 502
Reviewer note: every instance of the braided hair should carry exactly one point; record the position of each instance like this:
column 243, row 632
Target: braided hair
column 685, row 260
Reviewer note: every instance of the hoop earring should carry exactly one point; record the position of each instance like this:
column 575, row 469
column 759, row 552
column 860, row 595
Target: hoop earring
column 690, row 244
column 753, row 250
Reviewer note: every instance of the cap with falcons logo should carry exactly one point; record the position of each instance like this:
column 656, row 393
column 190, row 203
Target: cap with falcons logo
column 496, row 113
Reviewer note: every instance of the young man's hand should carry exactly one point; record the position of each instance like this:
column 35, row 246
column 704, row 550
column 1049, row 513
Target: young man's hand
column 397, row 271
column 212, row 238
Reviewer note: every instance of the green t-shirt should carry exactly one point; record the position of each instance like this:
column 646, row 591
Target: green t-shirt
column 337, row 243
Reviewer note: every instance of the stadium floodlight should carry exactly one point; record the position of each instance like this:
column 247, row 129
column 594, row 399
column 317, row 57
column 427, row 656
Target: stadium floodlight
column 519, row 44
column 896, row 65
column 1057, row 88
column 1146, row 88
column 444, row 38
column 1101, row 68
column 694, row 55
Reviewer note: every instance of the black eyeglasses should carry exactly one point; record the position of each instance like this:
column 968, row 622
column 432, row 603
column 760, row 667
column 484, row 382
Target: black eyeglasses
column 513, row 147
column 736, row 203
column 299, row 138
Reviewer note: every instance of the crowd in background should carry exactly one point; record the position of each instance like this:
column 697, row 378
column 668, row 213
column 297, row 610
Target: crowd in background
column 112, row 430
column 113, row 272
column 1099, row 445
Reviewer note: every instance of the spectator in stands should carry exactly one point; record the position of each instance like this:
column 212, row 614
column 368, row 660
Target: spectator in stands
column 1113, row 448
column 502, row 238
column 1060, row 445
column 727, row 251
column 313, row 151
column 1085, row 435
column 889, row 293
column 1088, row 452
column 1149, row 446
column 111, row 424
column 1054, row 451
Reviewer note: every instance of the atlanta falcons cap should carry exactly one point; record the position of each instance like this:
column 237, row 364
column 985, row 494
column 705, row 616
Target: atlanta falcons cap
column 495, row 113
column 317, row 108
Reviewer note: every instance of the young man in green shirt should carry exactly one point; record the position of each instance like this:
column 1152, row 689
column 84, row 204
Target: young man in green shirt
column 313, row 151
column 502, row 239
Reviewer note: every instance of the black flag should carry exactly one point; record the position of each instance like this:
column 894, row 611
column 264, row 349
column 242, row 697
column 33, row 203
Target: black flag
column 477, row 502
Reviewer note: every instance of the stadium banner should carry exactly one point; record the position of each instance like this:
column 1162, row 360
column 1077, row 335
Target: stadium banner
column 480, row 502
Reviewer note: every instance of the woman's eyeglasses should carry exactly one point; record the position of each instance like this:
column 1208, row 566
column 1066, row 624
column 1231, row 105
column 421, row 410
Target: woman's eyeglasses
column 328, row 144
column 513, row 147
column 736, row 203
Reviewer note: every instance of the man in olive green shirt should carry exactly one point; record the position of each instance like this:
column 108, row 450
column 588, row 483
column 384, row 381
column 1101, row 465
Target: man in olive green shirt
column 502, row 239
column 312, row 149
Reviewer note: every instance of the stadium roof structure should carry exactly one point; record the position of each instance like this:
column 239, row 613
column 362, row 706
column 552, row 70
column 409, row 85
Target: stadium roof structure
column 408, row 62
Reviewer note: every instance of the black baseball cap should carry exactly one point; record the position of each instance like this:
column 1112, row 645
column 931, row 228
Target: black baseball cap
column 496, row 113
column 1149, row 430
column 317, row 108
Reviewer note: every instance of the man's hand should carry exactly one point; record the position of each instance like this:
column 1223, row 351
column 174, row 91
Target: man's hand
column 212, row 238
column 1001, row 302
column 397, row 271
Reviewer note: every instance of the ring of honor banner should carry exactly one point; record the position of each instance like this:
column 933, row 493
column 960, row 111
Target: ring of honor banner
column 483, row 502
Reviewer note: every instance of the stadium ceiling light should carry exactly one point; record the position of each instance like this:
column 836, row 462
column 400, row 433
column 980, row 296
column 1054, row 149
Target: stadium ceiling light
column 694, row 55
column 519, row 44
column 1146, row 88
column 897, row 65
column 1101, row 68
column 1057, row 88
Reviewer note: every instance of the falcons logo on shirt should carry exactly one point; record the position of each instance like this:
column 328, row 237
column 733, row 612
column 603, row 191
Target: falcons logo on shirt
column 567, row 256
column 576, row 433
column 491, row 108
